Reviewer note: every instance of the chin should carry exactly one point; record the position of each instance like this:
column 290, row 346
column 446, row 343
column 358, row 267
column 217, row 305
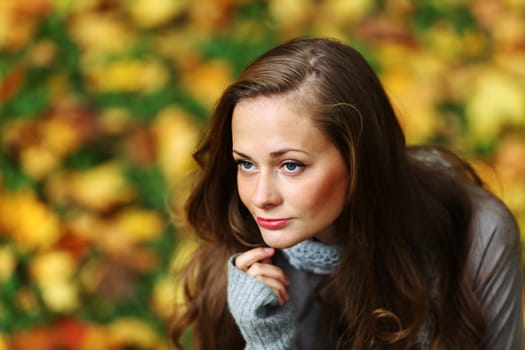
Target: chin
column 279, row 242
column 279, row 246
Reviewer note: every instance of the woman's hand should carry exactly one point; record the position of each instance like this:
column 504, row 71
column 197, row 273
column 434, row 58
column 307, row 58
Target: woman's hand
column 257, row 263
column 256, row 295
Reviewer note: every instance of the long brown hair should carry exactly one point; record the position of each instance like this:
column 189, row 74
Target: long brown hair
column 403, row 273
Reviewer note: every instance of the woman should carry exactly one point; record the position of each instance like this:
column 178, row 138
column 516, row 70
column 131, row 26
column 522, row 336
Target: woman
column 321, row 229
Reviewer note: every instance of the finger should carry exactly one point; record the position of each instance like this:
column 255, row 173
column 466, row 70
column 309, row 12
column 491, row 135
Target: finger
column 267, row 270
column 248, row 258
column 278, row 288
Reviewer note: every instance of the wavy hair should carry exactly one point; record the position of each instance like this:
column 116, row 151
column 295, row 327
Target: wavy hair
column 405, row 226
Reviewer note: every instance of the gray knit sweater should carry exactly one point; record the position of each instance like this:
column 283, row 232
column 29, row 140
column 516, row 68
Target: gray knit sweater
column 265, row 324
column 496, row 274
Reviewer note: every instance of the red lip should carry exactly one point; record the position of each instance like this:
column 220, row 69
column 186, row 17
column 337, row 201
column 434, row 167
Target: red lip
column 272, row 224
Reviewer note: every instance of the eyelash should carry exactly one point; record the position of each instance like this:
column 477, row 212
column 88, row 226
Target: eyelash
column 298, row 166
column 241, row 162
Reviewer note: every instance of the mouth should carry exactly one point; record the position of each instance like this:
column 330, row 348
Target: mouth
column 272, row 224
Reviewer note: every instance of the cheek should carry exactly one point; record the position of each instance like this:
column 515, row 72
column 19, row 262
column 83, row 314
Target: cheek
column 326, row 194
column 243, row 190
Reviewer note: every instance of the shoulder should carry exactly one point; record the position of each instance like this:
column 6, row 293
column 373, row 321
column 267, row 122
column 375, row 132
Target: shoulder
column 493, row 225
column 495, row 233
column 495, row 262
column 491, row 215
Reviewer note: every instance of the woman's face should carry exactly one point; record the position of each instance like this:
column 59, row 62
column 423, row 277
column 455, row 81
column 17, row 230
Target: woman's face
column 291, row 178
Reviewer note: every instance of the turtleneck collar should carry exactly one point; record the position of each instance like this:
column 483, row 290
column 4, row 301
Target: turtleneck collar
column 313, row 256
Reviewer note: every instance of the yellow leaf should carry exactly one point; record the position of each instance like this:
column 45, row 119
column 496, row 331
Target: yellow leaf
column 132, row 331
column 114, row 120
column 27, row 221
column 3, row 342
column 510, row 159
column 139, row 225
column 291, row 15
column 61, row 296
column 96, row 337
column 417, row 115
column 9, row 18
column 37, row 161
column 344, row 12
column 514, row 196
column 128, row 75
column 509, row 32
column 54, row 266
column 148, row 14
column 99, row 33
column 163, row 296
column 53, row 271
column 496, row 100
column 209, row 17
column 181, row 45
column 183, row 253
column 512, row 63
column 207, row 81
column 444, row 41
column 101, row 187
column 177, row 136
column 59, row 135
column 8, row 262
column 43, row 53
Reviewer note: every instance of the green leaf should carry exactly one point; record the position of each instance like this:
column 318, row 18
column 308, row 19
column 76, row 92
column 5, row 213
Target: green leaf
column 152, row 186
column 13, row 177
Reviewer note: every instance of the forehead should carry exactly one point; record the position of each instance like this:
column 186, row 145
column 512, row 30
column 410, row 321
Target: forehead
column 271, row 111
column 279, row 121
column 291, row 101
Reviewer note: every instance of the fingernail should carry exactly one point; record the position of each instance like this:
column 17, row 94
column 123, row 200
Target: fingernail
column 268, row 250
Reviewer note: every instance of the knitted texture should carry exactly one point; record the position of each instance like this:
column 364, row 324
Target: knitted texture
column 264, row 324
column 313, row 256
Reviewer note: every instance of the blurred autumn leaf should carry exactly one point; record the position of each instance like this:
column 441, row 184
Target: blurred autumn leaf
column 103, row 101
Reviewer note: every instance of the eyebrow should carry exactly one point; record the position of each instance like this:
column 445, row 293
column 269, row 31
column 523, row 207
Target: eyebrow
column 274, row 154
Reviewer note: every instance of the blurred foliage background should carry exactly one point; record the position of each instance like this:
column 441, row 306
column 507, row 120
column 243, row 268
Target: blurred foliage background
column 103, row 101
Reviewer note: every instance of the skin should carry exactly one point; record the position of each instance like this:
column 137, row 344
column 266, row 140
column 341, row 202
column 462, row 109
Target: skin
column 291, row 178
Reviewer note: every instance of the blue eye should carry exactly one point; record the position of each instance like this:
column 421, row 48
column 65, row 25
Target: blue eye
column 245, row 165
column 293, row 167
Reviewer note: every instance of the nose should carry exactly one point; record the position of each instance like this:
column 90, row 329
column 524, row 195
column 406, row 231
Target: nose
column 266, row 194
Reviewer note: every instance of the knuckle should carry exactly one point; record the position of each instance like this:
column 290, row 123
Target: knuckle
column 255, row 268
